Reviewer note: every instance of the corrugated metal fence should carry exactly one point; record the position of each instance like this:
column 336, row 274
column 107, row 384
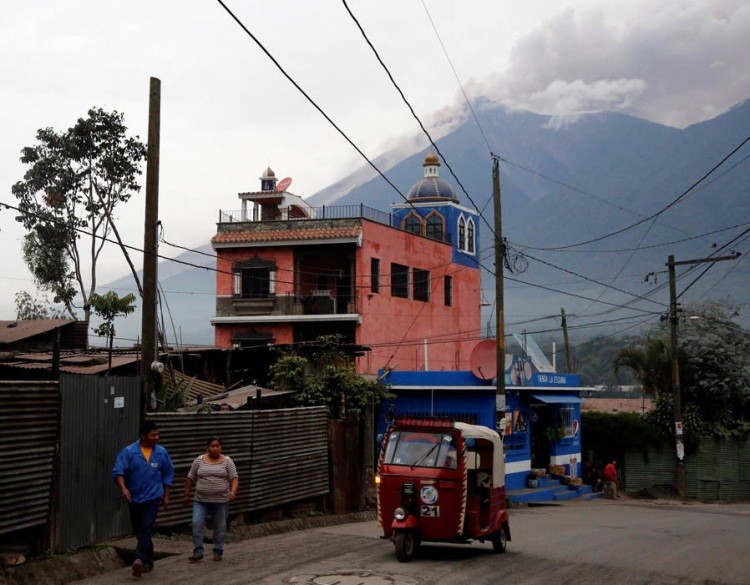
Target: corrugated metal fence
column 281, row 455
column 718, row 472
column 99, row 417
column 28, row 439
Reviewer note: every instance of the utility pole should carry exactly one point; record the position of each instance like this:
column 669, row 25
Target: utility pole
column 150, row 246
column 568, row 360
column 499, row 293
column 676, row 391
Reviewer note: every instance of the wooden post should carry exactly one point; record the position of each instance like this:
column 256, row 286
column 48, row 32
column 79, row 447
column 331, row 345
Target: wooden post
column 150, row 246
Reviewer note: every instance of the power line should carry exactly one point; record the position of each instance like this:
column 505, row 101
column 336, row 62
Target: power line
column 414, row 114
column 453, row 69
column 652, row 216
column 651, row 246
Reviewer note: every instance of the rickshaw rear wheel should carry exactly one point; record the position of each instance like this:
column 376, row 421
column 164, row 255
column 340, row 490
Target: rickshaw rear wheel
column 500, row 540
column 404, row 541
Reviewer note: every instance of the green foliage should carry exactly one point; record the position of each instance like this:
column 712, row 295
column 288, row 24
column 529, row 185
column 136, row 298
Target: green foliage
column 74, row 181
column 326, row 377
column 714, row 367
column 169, row 399
column 110, row 306
column 28, row 307
column 46, row 258
column 648, row 358
column 606, row 435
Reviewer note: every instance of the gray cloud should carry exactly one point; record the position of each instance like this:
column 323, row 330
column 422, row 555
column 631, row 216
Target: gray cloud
column 676, row 64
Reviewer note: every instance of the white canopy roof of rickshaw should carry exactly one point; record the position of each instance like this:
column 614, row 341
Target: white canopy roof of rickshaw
column 478, row 432
column 469, row 431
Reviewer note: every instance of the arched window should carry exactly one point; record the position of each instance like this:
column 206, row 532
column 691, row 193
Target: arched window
column 435, row 226
column 470, row 236
column 461, row 233
column 413, row 223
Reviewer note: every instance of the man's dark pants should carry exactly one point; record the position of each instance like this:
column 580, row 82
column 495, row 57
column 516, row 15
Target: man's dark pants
column 143, row 517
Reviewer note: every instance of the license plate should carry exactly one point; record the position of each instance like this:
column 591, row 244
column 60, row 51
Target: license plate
column 429, row 511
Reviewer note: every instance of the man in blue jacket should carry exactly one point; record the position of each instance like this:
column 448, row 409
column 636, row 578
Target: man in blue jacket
column 143, row 471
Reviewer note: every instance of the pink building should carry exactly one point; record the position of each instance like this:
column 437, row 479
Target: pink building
column 406, row 284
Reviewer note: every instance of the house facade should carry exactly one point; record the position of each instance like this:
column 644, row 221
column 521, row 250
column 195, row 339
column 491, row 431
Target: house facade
column 403, row 283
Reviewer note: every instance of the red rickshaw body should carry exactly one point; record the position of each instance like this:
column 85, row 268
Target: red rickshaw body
column 441, row 481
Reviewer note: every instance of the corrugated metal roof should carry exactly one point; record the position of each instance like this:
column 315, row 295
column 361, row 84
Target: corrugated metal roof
column 236, row 398
column 286, row 233
column 14, row 331
column 90, row 364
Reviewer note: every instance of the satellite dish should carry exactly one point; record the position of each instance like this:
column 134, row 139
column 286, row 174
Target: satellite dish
column 284, row 184
column 483, row 360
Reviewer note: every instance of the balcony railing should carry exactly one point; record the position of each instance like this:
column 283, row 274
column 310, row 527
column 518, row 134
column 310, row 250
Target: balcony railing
column 323, row 212
column 313, row 304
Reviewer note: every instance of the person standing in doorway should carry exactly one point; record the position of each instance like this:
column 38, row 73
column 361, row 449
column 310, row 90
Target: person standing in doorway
column 215, row 478
column 610, row 479
column 144, row 472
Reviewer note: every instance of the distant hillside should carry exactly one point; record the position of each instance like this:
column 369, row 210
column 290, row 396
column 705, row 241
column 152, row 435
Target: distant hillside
column 621, row 169
column 190, row 295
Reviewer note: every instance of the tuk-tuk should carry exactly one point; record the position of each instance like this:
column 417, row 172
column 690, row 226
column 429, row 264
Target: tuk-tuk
column 441, row 481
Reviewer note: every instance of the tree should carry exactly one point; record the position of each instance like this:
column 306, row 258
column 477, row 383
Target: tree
column 110, row 306
column 326, row 377
column 28, row 307
column 74, row 182
column 649, row 360
column 714, row 362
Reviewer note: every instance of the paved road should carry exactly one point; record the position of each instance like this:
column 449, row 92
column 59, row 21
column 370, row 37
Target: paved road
column 582, row 543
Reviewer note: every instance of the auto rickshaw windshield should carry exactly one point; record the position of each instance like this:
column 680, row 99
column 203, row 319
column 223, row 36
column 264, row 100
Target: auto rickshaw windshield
column 421, row 449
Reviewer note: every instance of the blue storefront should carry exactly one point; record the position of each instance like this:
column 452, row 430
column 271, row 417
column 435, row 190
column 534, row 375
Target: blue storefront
column 539, row 417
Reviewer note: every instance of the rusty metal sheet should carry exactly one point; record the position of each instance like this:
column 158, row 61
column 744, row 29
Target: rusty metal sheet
column 28, row 439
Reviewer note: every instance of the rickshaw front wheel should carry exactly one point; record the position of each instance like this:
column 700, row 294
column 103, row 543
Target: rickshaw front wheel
column 500, row 540
column 404, row 541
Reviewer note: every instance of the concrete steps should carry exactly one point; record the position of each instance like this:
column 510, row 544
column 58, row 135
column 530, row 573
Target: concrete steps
column 551, row 490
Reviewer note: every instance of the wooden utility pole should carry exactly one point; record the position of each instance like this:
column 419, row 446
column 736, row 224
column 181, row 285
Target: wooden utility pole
column 150, row 246
column 568, row 360
column 673, row 348
column 499, row 293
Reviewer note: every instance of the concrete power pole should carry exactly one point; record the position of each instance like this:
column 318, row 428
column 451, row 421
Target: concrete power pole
column 676, row 391
column 499, row 292
column 150, row 246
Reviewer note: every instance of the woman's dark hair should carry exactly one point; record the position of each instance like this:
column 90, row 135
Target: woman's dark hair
column 212, row 439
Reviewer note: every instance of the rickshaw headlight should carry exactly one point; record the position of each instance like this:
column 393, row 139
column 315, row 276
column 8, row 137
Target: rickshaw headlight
column 399, row 513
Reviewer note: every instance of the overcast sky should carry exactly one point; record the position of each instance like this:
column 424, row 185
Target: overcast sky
column 227, row 112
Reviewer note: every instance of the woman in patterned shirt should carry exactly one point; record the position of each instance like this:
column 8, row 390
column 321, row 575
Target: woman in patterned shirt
column 215, row 478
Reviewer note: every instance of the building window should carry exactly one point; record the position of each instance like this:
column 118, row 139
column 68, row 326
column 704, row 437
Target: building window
column 413, row 223
column 399, row 280
column 461, row 233
column 448, row 291
column 470, row 236
column 255, row 283
column 421, row 289
column 435, row 226
column 254, row 279
column 375, row 275
column 566, row 417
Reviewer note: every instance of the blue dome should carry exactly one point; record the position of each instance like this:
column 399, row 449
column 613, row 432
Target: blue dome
column 432, row 187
